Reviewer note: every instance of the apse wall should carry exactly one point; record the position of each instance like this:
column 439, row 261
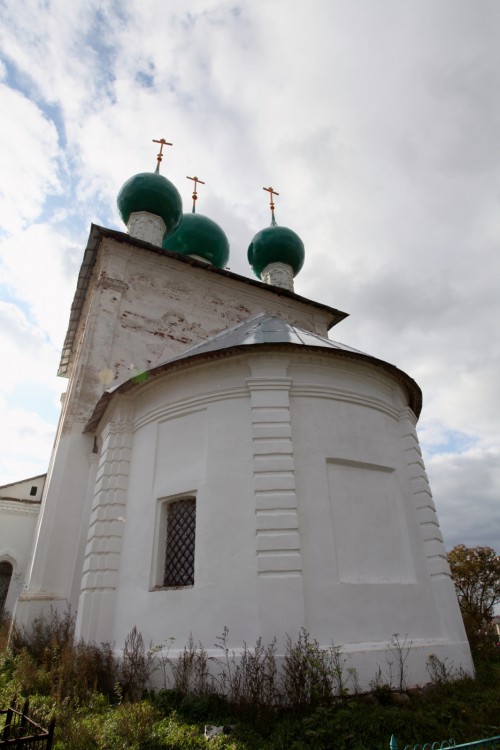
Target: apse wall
column 312, row 511
column 373, row 559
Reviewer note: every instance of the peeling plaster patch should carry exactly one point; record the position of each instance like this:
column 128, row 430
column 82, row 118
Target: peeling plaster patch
column 142, row 310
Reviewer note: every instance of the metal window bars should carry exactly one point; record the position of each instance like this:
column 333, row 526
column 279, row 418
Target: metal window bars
column 179, row 556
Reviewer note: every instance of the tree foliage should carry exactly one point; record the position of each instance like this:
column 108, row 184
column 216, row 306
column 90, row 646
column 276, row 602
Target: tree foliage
column 476, row 575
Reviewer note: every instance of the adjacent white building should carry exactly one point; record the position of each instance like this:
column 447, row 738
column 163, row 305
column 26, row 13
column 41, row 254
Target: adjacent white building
column 220, row 461
column 19, row 509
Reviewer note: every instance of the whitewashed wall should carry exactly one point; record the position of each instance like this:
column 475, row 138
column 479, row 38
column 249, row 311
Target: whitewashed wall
column 310, row 512
column 139, row 307
column 19, row 511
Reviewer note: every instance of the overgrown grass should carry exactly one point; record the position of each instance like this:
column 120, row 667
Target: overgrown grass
column 312, row 703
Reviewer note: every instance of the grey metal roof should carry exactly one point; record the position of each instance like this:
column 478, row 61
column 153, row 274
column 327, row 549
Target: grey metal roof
column 260, row 329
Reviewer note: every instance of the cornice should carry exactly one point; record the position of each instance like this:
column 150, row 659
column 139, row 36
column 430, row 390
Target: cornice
column 409, row 386
column 25, row 507
column 348, row 396
column 189, row 405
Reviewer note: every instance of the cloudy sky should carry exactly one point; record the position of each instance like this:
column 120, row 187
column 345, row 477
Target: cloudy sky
column 378, row 121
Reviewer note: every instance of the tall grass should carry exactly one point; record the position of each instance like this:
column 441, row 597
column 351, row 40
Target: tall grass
column 310, row 701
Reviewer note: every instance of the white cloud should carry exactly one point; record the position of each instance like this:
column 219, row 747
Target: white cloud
column 28, row 155
column 40, row 265
column 28, row 374
column 18, row 340
column 465, row 487
column 25, row 443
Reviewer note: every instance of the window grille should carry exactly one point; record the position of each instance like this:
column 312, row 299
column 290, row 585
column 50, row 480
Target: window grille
column 179, row 557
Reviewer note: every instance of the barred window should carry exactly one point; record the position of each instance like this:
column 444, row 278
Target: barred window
column 180, row 542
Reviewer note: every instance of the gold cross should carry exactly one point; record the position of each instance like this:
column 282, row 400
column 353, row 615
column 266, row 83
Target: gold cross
column 162, row 143
column 271, row 193
column 195, row 194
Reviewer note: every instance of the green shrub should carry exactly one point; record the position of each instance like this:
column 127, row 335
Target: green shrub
column 59, row 676
column 137, row 665
column 312, row 675
column 47, row 661
column 251, row 678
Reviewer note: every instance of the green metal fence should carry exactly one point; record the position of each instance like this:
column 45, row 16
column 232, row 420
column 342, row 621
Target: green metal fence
column 490, row 743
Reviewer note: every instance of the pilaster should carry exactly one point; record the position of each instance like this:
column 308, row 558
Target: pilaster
column 102, row 555
column 93, row 370
column 422, row 497
column 442, row 585
column 277, row 534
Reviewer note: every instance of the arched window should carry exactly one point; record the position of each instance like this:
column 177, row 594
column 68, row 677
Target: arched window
column 5, row 577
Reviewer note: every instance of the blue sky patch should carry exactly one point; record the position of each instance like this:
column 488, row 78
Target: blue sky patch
column 38, row 399
column 145, row 80
column 452, row 441
column 6, row 295
column 19, row 81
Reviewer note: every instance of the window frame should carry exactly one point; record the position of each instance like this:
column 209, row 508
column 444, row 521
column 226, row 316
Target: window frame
column 160, row 542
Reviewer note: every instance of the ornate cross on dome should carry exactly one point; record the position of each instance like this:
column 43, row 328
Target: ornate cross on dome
column 195, row 193
column 271, row 193
column 159, row 157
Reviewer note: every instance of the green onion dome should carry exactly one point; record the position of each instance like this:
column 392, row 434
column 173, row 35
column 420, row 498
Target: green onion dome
column 276, row 244
column 151, row 192
column 199, row 235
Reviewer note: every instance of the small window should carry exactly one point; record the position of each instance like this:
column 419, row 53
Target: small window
column 33, row 490
column 180, row 542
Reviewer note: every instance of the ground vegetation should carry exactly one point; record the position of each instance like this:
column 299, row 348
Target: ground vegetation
column 311, row 701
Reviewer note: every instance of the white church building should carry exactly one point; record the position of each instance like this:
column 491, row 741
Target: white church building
column 220, row 462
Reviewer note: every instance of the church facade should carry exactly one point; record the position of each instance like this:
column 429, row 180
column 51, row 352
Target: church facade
column 220, row 462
